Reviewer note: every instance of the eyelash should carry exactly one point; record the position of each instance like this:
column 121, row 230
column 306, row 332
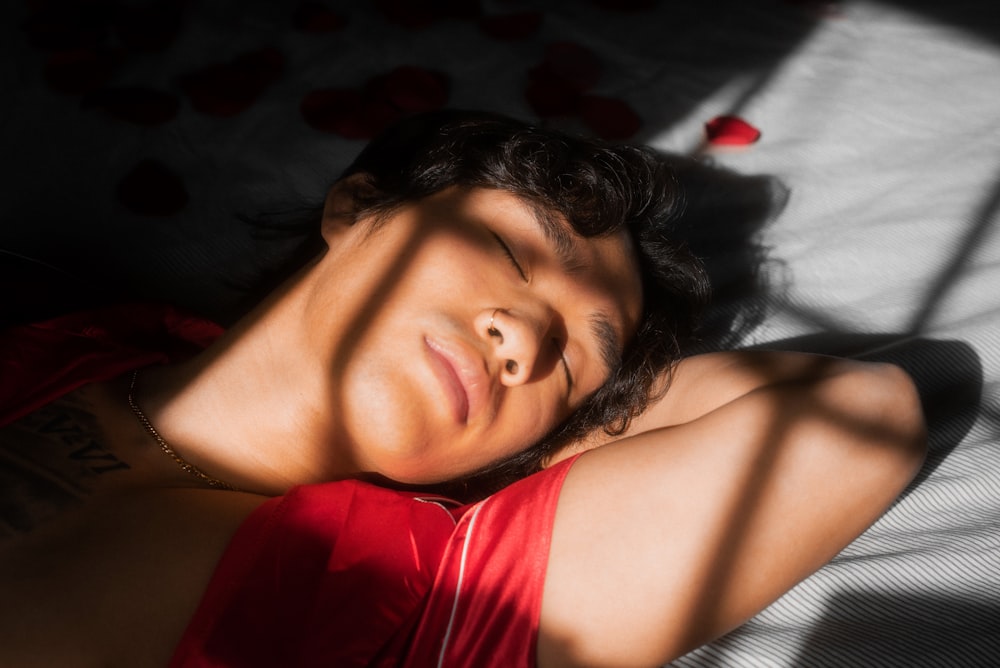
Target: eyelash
column 510, row 256
column 565, row 363
column 524, row 276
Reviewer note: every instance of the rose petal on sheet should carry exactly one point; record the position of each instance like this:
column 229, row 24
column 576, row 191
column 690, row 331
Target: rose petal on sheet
column 730, row 131
column 136, row 104
column 347, row 112
column 609, row 117
column 363, row 113
column 335, row 110
column 151, row 189
column 511, row 27
column 410, row 89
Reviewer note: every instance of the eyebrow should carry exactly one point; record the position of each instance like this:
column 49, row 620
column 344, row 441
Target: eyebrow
column 607, row 339
column 558, row 236
column 562, row 242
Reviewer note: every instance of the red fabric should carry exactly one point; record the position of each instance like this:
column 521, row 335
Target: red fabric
column 339, row 574
column 42, row 361
column 351, row 574
column 327, row 575
column 486, row 603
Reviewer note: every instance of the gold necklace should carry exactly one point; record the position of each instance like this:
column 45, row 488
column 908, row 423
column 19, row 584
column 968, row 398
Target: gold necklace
column 183, row 463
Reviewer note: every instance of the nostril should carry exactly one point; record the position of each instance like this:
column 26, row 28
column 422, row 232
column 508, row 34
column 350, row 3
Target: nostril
column 493, row 331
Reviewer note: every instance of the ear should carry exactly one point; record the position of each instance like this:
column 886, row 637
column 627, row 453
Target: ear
column 340, row 208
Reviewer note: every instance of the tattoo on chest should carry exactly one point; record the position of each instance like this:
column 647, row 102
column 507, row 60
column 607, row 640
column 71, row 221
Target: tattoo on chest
column 79, row 442
column 51, row 461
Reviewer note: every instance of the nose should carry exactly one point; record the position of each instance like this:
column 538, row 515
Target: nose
column 517, row 337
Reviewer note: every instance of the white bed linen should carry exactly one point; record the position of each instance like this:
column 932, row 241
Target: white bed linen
column 881, row 120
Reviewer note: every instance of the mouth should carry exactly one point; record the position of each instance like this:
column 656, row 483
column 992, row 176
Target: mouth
column 460, row 375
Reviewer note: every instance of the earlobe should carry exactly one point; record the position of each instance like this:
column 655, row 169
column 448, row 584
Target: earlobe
column 340, row 209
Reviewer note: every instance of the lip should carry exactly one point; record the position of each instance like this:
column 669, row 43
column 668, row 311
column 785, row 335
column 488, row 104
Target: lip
column 462, row 374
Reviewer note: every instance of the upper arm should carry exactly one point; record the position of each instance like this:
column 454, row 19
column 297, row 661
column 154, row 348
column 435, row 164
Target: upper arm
column 677, row 534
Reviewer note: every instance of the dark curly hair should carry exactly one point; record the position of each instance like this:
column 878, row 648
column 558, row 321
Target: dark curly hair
column 599, row 188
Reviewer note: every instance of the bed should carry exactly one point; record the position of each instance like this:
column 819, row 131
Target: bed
column 854, row 207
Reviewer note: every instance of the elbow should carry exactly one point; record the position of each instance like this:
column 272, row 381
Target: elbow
column 896, row 398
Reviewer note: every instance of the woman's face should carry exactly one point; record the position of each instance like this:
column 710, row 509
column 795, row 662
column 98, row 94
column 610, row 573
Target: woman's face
column 463, row 328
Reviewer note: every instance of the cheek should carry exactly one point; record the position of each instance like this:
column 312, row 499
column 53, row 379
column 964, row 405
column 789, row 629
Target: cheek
column 526, row 418
column 383, row 423
column 396, row 441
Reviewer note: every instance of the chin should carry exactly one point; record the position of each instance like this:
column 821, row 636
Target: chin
column 416, row 476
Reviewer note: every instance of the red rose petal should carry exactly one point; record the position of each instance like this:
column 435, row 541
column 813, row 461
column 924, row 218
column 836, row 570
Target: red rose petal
column 313, row 17
column 511, row 27
column 135, row 104
column 730, row 131
column 609, row 118
column 335, row 110
column 377, row 115
column 410, row 89
column 363, row 113
column 346, row 112
column 152, row 190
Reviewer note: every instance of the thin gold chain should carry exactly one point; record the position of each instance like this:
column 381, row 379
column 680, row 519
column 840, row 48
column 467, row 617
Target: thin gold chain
column 183, row 463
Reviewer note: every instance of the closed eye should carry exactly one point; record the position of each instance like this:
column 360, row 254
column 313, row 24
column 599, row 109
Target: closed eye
column 565, row 365
column 510, row 256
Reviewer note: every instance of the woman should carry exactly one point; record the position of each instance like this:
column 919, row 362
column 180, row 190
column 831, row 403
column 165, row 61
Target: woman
column 490, row 297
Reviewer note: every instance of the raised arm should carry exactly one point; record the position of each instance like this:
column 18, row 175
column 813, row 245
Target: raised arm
column 753, row 471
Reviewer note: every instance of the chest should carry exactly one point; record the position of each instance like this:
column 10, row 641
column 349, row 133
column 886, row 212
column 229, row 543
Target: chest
column 53, row 460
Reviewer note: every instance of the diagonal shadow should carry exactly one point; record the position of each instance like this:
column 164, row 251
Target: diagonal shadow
column 948, row 374
column 982, row 222
column 904, row 630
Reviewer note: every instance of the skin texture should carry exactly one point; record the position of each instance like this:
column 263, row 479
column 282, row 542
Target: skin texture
column 113, row 583
column 452, row 283
column 362, row 348
column 750, row 473
column 360, row 351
